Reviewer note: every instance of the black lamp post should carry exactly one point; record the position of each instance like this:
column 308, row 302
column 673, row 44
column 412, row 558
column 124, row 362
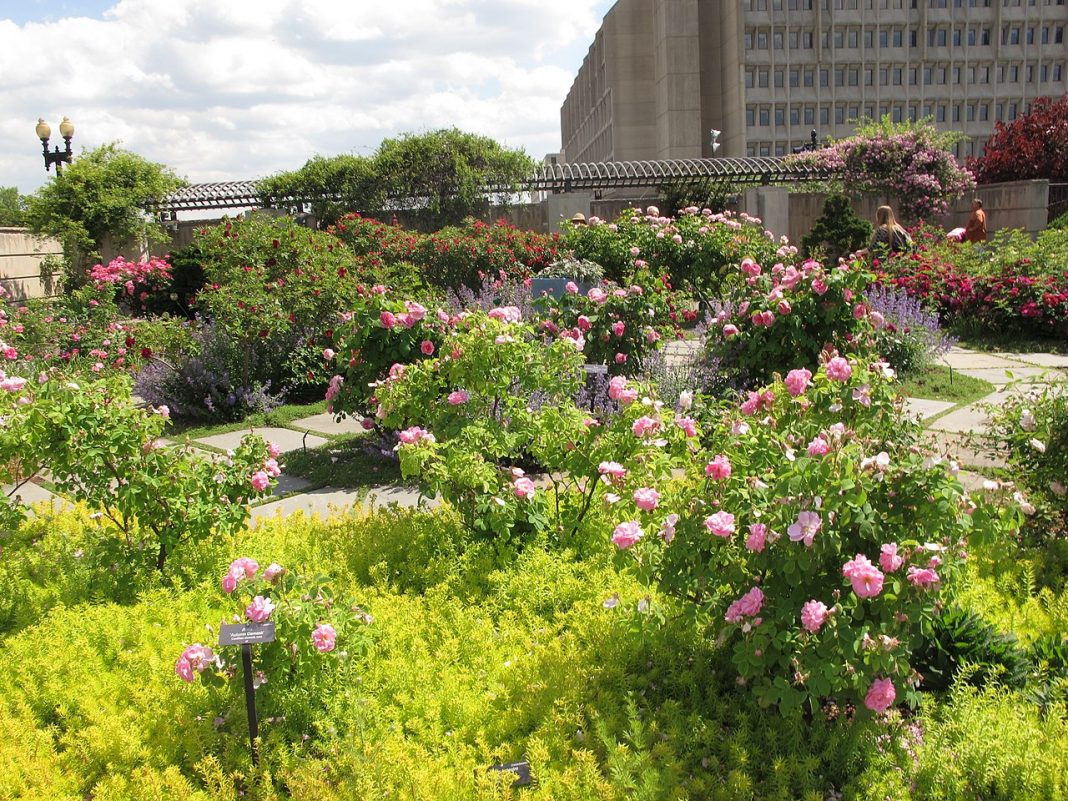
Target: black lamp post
column 66, row 130
column 813, row 145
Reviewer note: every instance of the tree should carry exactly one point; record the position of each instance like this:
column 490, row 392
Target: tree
column 838, row 232
column 11, row 206
column 334, row 186
column 446, row 174
column 909, row 163
column 1032, row 146
column 101, row 196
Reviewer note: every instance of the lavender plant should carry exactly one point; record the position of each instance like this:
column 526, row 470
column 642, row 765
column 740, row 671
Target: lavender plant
column 906, row 334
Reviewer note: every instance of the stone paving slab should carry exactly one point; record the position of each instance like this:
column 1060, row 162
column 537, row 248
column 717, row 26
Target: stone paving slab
column 960, row 358
column 922, row 409
column 954, row 446
column 286, row 438
column 999, row 375
column 1041, row 359
column 972, row 417
column 329, row 500
column 34, row 493
column 287, row 484
column 325, row 424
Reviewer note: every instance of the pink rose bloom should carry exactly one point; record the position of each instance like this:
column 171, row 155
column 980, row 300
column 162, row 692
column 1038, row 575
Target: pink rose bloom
column 889, row 559
column 410, row 436
column 880, row 696
column 747, row 606
column 259, row 480
column 597, row 295
column 14, row 384
column 923, row 577
column 571, row 287
column 458, row 397
column 244, row 568
column 877, row 320
column 396, row 370
column 730, row 330
column 645, row 425
column 273, row 449
column 688, row 425
column 415, row 310
column 621, row 358
column 619, row 293
column 523, row 488
column 719, row 469
column 583, row 323
column 646, row 498
column 507, row 314
column 667, row 528
column 797, row 381
column 784, row 307
column 651, row 335
column 626, row 534
column 838, row 369
column 721, row 524
column 618, row 328
column 229, row 583
column 334, row 388
column 184, row 670
column 426, row 347
column 758, row 534
column 615, row 386
column 819, row 447
column 260, row 609
column 324, row 638
column 750, row 268
column 805, row 528
column 271, row 468
column 865, row 577
column 818, row 286
column 750, row 405
column 614, row 470
column 862, row 395
column 388, row 319
column 813, row 615
column 328, row 354
column 860, row 311
column 273, row 571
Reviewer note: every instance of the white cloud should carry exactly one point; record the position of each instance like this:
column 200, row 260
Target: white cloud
column 222, row 89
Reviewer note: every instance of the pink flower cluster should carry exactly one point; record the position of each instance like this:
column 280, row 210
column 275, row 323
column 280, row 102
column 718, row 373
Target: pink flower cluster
column 865, row 577
column 719, row 469
column 626, row 534
column 194, row 661
column 721, row 524
column 239, row 570
column 748, row 605
column 415, row 434
column 797, row 381
column 619, row 391
column 324, row 638
column 813, row 615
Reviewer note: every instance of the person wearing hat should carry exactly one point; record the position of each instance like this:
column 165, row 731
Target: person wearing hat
column 578, row 218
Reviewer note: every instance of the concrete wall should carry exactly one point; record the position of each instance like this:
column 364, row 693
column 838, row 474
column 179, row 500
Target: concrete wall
column 21, row 254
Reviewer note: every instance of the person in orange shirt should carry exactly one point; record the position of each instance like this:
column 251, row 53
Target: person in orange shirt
column 975, row 230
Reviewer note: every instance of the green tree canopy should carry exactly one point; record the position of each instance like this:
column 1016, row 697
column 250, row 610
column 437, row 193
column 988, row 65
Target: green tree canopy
column 445, row 173
column 333, row 186
column 101, row 196
column 11, row 206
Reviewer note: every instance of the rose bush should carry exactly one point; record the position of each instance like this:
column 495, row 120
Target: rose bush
column 811, row 541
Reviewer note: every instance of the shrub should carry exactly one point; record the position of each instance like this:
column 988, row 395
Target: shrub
column 906, row 335
column 838, row 231
column 777, row 318
column 961, row 642
column 136, row 285
column 1034, row 145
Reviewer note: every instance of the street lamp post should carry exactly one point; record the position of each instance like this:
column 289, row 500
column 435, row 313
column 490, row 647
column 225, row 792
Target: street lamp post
column 59, row 157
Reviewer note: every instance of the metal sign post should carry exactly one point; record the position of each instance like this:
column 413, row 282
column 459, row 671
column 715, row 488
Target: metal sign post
column 245, row 634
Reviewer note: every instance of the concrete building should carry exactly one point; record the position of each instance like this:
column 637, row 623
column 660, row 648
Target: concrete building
column 661, row 74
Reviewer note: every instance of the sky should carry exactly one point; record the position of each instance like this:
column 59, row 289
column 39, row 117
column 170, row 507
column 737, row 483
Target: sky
column 240, row 89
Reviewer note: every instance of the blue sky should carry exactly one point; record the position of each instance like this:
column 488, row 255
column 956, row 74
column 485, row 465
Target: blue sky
column 232, row 89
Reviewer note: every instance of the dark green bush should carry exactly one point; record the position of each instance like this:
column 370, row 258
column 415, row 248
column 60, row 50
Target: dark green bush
column 838, row 231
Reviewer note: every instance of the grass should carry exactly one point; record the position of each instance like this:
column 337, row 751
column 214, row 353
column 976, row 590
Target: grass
column 348, row 462
column 282, row 417
column 939, row 382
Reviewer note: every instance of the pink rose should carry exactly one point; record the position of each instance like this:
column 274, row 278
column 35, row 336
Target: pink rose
column 388, row 319
column 747, row 606
column 184, row 670
column 819, row 447
column 524, row 488
column 818, row 286
column 426, row 347
column 688, row 425
column 814, row 615
column 614, row 470
column 719, row 469
column 838, row 369
column 797, row 381
column 730, row 330
column 259, row 480
column 721, row 524
column 415, row 310
column 229, row 583
column 328, row 354
column 618, row 328
column 889, row 559
column 597, row 295
column 273, row 449
column 880, row 696
column 324, row 638
column 667, row 528
column 860, row 311
column 757, row 539
column 626, row 534
column 784, row 307
column 621, row 358
column 571, row 287
column 923, row 577
column 583, row 323
column 805, row 528
column 271, row 468
column 260, row 609
column 865, row 577
column 458, row 397
column 646, row 498
column 273, row 571
column 645, row 425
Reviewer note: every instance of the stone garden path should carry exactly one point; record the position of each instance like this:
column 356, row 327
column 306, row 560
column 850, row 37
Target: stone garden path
column 948, row 428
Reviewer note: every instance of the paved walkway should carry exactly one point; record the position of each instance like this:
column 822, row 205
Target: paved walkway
column 951, row 430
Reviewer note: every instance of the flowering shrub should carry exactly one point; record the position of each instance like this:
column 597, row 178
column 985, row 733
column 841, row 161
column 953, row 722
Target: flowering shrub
column 695, row 249
column 774, row 318
column 100, row 448
column 314, row 631
column 906, row 335
column 495, row 398
column 1034, row 145
column 909, row 162
column 136, row 284
column 810, row 545
column 1031, row 429
column 619, row 326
